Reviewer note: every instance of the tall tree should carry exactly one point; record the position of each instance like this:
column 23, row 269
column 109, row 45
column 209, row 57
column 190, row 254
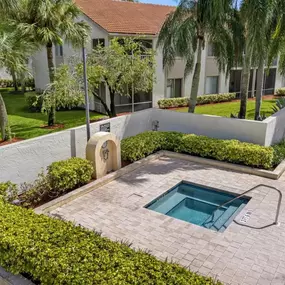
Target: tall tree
column 13, row 53
column 267, row 24
column 186, row 31
column 258, row 20
column 51, row 23
column 125, row 66
column 277, row 47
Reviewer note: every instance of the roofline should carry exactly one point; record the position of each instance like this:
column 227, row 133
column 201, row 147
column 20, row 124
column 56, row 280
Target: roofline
column 132, row 34
column 93, row 21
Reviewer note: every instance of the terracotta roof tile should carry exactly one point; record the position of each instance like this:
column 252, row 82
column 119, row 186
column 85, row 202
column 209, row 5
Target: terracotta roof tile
column 125, row 17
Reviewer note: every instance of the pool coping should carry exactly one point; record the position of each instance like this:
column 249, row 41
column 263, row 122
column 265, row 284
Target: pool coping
column 52, row 205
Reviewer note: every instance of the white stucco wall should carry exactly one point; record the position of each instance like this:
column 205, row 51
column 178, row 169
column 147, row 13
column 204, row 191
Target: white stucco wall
column 211, row 126
column 159, row 87
column 275, row 128
column 4, row 74
column 21, row 162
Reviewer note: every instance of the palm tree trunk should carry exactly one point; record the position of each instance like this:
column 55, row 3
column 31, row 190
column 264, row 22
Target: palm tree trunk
column 259, row 89
column 196, row 79
column 51, row 114
column 15, row 83
column 23, row 83
column 4, row 126
column 245, row 77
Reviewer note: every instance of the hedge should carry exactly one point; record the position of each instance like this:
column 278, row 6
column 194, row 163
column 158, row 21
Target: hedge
column 53, row 251
column 280, row 92
column 29, row 83
column 201, row 100
column 279, row 153
column 5, row 83
column 69, row 174
column 61, row 177
column 140, row 146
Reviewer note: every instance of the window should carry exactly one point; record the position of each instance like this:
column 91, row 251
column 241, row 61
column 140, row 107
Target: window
column 97, row 42
column 101, row 92
column 58, row 50
column 174, row 88
column 210, row 50
column 212, row 85
column 128, row 103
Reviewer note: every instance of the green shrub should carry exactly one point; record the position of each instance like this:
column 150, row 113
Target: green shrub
column 53, row 251
column 8, row 191
column 34, row 102
column 279, row 153
column 69, row 174
column 61, row 177
column 30, row 83
column 204, row 99
column 144, row 144
column 5, row 83
column 215, row 98
column 280, row 92
column 140, row 146
column 232, row 151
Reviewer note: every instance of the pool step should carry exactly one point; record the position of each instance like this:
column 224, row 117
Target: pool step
column 218, row 224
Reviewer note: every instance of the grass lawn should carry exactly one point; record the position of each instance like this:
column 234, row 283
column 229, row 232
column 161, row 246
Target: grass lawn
column 225, row 109
column 26, row 125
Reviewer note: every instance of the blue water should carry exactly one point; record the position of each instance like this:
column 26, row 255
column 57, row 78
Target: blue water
column 198, row 205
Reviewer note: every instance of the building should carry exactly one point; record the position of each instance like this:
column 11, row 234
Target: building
column 114, row 18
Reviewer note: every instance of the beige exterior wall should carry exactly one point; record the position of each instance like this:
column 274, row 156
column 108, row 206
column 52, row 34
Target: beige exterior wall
column 209, row 68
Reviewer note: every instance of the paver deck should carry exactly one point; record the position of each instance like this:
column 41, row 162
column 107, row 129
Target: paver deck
column 240, row 255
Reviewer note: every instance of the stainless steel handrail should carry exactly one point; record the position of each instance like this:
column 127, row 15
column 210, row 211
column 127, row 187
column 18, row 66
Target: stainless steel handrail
column 251, row 189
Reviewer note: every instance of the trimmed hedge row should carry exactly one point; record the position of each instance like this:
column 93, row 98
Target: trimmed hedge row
column 53, row 251
column 5, row 83
column 61, row 177
column 201, row 100
column 144, row 144
column 280, row 92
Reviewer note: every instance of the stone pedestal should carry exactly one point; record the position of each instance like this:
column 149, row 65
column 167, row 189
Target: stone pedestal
column 104, row 151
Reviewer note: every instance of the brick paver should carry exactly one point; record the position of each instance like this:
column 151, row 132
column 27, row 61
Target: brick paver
column 240, row 255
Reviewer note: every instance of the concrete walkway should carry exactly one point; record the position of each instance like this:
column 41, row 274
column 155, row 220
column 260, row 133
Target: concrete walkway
column 240, row 255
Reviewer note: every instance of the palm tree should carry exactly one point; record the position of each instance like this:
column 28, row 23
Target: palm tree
column 14, row 51
column 186, row 31
column 51, row 23
column 262, row 47
column 8, row 57
column 258, row 20
column 277, row 47
column 7, row 5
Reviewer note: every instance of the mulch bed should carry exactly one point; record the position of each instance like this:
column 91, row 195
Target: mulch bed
column 54, row 127
column 14, row 140
column 98, row 120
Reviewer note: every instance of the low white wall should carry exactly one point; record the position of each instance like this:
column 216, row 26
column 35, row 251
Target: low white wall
column 22, row 161
column 211, row 126
column 275, row 128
